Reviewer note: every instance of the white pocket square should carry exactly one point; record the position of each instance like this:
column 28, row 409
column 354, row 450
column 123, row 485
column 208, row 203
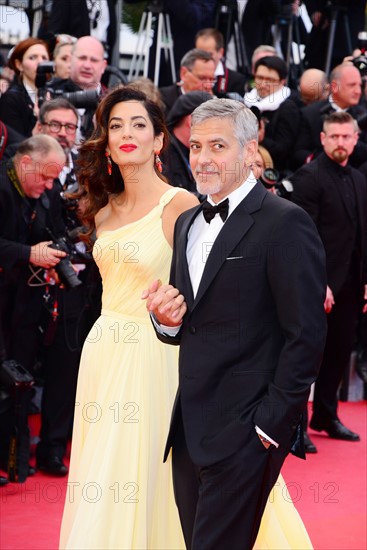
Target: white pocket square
column 234, row 258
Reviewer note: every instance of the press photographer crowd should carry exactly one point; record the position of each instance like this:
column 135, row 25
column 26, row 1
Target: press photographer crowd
column 312, row 135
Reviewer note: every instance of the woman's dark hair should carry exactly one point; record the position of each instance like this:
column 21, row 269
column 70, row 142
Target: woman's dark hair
column 95, row 183
column 21, row 48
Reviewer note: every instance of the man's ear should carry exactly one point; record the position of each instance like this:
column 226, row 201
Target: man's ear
column 322, row 138
column 183, row 72
column 250, row 152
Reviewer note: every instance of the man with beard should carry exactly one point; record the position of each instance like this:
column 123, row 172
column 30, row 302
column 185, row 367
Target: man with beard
column 335, row 196
column 69, row 310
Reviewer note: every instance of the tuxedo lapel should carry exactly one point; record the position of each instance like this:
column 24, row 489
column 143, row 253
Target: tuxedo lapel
column 234, row 229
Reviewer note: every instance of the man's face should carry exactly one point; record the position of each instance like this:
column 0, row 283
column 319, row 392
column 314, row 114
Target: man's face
column 200, row 77
column 267, row 81
column 87, row 63
column 208, row 44
column 36, row 173
column 60, row 124
column 347, row 90
column 338, row 141
column 218, row 162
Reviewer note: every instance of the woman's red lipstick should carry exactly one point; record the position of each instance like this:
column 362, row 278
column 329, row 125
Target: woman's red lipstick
column 128, row 147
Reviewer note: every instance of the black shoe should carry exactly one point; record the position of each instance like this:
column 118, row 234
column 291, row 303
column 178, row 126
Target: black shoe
column 53, row 466
column 3, row 481
column 310, row 448
column 335, row 429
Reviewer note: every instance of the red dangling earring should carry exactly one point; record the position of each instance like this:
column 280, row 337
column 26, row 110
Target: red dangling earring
column 158, row 162
column 109, row 163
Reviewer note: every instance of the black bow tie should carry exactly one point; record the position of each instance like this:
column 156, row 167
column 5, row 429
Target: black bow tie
column 209, row 210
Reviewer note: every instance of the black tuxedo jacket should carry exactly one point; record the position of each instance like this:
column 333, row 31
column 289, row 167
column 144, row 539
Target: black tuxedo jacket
column 252, row 339
column 308, row 140
column 318, row 189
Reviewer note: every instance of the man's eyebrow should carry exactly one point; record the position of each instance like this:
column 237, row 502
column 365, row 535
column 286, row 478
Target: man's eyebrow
column 214, row 140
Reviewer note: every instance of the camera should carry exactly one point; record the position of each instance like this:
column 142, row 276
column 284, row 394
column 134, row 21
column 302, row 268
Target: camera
column 81, row 99
column 64, row 268
column 270, row 178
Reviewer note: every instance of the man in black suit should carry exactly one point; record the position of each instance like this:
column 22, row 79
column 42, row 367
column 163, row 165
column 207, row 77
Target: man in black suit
column 64, row 322
column 197, row 73
column 345, row 95
column 228, row 81
column 335, row 196
column 86, row 17
column 245, row 303
column 25, row 212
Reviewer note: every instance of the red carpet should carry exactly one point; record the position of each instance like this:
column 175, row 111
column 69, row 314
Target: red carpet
column 330, row 491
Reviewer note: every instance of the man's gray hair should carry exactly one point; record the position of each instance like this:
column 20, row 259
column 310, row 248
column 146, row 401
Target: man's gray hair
column 193, row 55
column 56, row 104
column 244, row 121
column 40, row 145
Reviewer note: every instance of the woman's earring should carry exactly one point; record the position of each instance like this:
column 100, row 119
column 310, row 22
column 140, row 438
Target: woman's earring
column 109, row 163
column 158, row 162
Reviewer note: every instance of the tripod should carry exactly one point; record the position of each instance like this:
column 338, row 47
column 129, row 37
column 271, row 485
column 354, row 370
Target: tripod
column 287, row 26
column 335, row 12
column 226, row 20
column 153, row 20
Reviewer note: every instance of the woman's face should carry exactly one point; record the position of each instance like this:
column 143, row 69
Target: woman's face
column 63, row 61
column 32, row 57
column 258, row 166
column 131, row 138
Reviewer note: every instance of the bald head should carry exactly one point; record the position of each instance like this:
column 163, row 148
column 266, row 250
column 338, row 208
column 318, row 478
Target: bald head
column 313, row 86
column 346, row 85
column 87, row 62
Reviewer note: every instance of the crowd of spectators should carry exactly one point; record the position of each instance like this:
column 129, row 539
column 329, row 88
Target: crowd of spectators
column 291, row 119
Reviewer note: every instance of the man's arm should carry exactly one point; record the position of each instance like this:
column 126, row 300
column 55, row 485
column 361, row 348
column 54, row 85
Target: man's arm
column 297, row 277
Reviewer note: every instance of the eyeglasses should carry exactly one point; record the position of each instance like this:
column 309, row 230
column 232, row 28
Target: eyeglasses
column 266, row 79
column 55, row 127
column 211, row 81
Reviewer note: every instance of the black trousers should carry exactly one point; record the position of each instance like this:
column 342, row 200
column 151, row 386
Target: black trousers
column 221, row 505
column 339, row 345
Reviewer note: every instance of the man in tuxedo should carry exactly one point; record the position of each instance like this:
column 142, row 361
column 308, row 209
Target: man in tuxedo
column 335, row 196
column 245, row 303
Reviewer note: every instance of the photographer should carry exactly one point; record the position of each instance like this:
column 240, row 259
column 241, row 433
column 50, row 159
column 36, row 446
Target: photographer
column 70, row 311
column 25, row 213
column 88, row 64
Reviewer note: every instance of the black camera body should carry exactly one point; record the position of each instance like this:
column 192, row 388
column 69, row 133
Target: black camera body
column 271, row 180
column 64, row 268
column 13, row 374
column 81, row 99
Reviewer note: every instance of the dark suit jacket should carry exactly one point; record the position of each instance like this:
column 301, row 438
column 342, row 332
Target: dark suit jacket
column 230, row 82
column 252, row 339
column 169, row 95
column 16, row 110
column 281, row 130
column 308, row 140
column 71, row 17
column 318, row 189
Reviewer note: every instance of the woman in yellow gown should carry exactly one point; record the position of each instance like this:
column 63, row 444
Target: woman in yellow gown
column 120, row 494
